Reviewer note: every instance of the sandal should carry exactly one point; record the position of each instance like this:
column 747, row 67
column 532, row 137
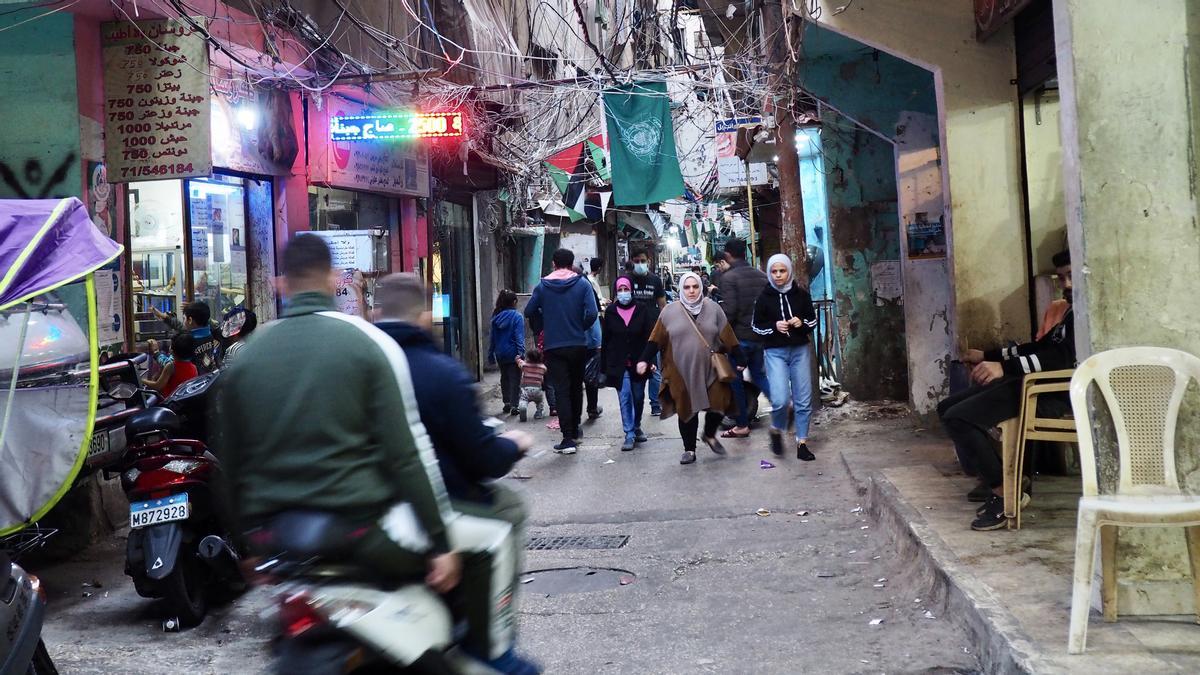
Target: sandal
column 733, row 434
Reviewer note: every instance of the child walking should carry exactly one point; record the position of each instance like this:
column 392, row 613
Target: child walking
column 533, row 375
column 508, row 341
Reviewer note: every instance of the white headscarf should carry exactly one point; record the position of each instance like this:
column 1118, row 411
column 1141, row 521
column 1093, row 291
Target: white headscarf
column 787, row 262
column 693, row 308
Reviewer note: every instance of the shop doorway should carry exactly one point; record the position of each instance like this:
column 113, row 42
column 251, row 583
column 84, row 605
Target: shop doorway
column 454, row 298
column 191, row 240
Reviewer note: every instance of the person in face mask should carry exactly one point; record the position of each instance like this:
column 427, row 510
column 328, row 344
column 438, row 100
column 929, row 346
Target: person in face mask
column 649, row 294
column 627, row 327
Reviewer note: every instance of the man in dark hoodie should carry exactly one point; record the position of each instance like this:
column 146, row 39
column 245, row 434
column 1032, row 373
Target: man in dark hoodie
column 740, row 286
column 470, row 454
column 564, row 307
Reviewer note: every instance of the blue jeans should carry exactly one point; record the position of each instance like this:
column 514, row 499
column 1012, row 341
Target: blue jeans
column 654, row 382
column 789, row 374
column 633, row 397
column 752, row 353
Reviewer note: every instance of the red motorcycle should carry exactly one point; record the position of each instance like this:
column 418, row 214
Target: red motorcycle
column 179, row 549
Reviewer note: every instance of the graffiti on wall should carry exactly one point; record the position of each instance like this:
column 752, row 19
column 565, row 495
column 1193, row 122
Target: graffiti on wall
column 32, row 181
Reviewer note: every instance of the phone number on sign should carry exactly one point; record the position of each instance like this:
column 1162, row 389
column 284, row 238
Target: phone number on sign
column 156, row 170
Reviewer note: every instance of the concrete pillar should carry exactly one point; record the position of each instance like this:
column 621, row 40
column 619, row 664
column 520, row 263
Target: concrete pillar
column 1128, row 76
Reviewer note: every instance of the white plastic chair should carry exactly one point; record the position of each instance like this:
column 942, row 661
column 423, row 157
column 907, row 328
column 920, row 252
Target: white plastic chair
column 1143, row 387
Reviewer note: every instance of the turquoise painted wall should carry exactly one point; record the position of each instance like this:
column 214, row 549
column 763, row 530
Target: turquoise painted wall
column 864, row 230
column 859, row 175
column 39, row 111
column 871, row 86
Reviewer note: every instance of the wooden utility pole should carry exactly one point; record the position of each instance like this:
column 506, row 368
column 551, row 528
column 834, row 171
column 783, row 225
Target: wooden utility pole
column 780, row 88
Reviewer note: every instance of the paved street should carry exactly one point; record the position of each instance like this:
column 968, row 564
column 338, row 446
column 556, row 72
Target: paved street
column 710, row 585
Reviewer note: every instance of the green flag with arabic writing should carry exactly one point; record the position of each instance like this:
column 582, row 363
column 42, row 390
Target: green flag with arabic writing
column 641, row 140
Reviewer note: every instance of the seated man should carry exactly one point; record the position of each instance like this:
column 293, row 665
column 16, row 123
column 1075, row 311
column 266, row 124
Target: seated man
column 470, row 454
column 968, row 415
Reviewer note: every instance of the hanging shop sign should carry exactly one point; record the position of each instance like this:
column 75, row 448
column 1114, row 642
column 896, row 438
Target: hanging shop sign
column 402, row 125
column 990, row 15
column 350, row 249
column 384, row 166
column 156, row 101
column 731, row 170
column 254, row 132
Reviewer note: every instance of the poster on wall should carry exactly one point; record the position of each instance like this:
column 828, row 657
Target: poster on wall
column 110, row 315
column 347, row 294
column 731, row 171
column 886, row 283
column 926, row 238
column 156, row 101
column 102, row 201
column 396, row 167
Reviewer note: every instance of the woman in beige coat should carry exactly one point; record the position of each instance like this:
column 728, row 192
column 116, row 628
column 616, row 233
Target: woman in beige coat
column 686, row 334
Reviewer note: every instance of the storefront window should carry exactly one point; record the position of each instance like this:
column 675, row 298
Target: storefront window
column 217, row 206
column 157, row 267
column 210, row 265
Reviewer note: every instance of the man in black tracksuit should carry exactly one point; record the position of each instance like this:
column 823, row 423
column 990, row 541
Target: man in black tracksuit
column 967, row 416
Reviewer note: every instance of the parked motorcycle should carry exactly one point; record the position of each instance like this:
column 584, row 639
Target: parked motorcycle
column 178, row 548
column 22, row 609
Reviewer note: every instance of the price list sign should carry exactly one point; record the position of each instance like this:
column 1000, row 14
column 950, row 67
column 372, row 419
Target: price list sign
column 156, row 101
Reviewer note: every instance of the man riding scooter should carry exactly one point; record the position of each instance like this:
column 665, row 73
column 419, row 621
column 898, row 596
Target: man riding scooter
column 470, row 454
column 307, row 421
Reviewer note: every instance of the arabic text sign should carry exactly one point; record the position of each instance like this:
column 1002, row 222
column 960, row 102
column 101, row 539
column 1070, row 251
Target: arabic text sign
column 395, row 125
column 156, row 101
column 384, row 167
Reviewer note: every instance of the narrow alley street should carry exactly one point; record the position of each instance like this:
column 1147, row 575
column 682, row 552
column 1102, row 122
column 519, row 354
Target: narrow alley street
column 709, row 584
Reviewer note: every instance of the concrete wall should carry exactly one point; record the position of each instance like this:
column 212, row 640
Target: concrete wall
column 927, row 291
column 864, row 230
column 39, row 119
column 1043, row 166
column 978, row 124
column 1130, row 140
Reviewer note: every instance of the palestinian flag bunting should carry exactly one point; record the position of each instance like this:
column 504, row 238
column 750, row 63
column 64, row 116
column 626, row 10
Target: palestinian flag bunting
column 570, row 171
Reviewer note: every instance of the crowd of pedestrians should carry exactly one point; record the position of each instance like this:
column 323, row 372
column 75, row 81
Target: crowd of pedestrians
column 704, row 356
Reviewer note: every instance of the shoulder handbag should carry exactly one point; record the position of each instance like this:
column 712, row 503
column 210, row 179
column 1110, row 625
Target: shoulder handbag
column 720, row 362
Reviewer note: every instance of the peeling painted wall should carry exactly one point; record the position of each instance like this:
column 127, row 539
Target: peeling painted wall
column 926, row 281
column 978, row 128
column 1130, row 143
column 864, row 230
column 907, row 340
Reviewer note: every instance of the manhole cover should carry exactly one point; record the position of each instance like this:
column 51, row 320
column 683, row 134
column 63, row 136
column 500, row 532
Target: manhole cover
column 574, row 580
column 592, row 542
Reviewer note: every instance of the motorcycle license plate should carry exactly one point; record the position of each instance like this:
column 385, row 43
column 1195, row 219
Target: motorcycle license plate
column 155, row 511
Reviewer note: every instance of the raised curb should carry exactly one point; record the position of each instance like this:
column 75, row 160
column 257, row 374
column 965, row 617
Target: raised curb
column 1001, row 644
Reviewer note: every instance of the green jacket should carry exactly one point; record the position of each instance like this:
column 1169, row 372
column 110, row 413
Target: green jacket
column 318, row 412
